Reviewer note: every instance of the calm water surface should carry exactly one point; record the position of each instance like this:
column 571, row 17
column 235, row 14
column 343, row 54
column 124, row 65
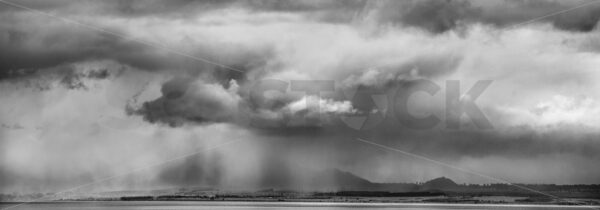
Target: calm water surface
column 177, row 205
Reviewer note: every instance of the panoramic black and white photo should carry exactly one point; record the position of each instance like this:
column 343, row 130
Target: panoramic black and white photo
column 299, row 104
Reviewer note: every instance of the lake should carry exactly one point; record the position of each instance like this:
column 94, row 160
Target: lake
column 216, row 205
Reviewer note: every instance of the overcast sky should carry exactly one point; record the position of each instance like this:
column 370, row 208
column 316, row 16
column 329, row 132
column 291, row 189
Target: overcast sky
column 133, row 83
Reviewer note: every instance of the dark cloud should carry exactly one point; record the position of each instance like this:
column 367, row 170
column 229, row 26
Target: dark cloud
column 440, row 16
column 514, row 12
column 432, row 15
column 28, row 47
column 26, row 50
column 186, row 100
column 303, row 6
column 28, row 43
column 126, row 8
column 74, row 80
column 67, row 76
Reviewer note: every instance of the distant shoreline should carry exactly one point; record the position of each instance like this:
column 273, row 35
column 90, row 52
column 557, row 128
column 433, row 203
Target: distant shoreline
column 354, row 200
column 312, row 203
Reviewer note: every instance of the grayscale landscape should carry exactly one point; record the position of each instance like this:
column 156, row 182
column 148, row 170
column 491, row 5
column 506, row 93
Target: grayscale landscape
column 300, row 104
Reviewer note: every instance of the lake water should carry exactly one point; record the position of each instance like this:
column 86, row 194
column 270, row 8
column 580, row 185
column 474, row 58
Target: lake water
column 216, row 205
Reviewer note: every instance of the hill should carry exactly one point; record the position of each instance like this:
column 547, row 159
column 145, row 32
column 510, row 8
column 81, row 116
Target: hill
column 442, row 184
